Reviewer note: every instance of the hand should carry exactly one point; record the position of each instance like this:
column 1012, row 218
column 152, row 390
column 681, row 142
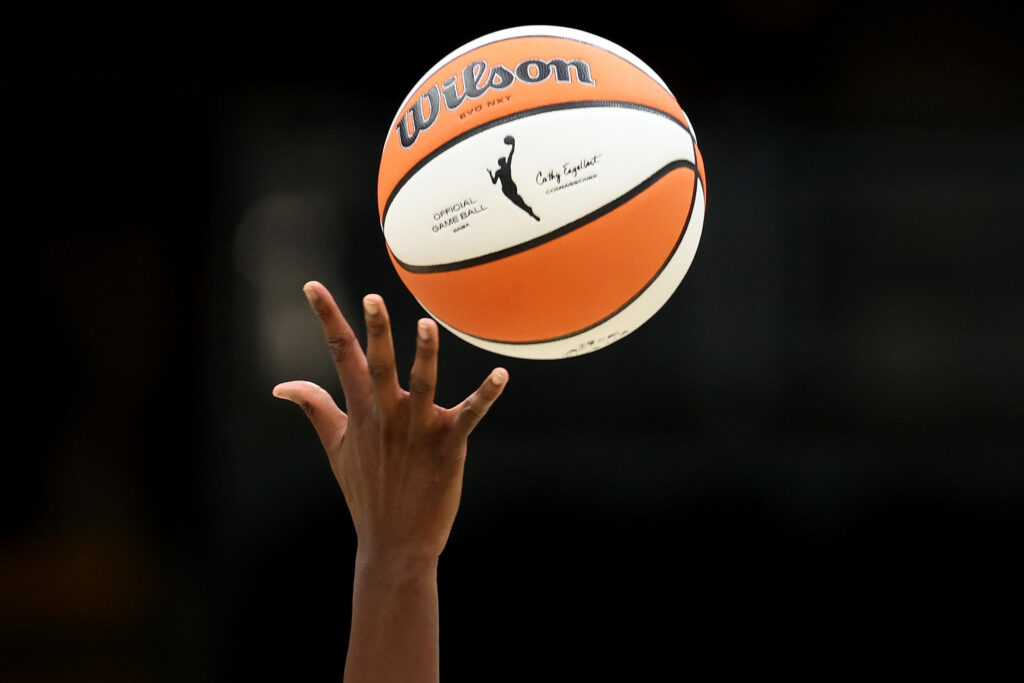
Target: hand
column 397, row 456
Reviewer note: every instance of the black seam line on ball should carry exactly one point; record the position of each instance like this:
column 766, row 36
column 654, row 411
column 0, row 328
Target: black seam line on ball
column 583, row 104
column 686, row 225
column 554, row 234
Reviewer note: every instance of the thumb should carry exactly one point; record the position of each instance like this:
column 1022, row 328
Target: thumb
column 328, row 419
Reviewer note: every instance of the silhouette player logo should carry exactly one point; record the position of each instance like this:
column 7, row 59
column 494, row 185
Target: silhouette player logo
column 504, row 174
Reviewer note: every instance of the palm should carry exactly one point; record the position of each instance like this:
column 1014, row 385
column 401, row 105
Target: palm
column 397, row 456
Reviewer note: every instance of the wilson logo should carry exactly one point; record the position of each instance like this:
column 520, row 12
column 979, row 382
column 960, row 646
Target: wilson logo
column 477, row 79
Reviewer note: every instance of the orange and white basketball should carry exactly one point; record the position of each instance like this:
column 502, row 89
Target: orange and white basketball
column 541, row 192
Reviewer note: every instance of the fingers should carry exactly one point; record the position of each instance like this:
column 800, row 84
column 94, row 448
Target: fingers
column 423, row 378
column 372, row 377
column 348, row 355
column 380, row 352
column 472, row 410
column 327, row 418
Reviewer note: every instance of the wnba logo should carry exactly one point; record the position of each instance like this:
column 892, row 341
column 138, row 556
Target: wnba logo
column 477, row 79
column 508, row 186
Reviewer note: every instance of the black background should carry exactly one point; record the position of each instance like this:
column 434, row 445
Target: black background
column 811, row 454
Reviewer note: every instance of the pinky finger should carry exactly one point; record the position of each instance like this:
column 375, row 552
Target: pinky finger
column 469, row 413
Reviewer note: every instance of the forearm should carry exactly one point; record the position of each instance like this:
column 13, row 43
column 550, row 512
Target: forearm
column 394, row 621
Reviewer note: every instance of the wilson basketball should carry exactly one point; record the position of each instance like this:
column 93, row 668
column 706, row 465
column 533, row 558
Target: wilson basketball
column 541, row 192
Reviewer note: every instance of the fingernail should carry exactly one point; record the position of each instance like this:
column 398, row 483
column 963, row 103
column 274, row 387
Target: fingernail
column 499, row 377
column 423, row 330
column 370, row 306
column 310, row 294
column 279, row 394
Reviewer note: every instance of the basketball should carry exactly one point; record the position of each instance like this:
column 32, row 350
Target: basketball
column 541, row 192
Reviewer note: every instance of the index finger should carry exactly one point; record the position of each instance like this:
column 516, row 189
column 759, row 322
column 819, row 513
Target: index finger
column 349, row 360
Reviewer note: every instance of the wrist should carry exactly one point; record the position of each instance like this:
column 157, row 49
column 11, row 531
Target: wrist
column 393, row 565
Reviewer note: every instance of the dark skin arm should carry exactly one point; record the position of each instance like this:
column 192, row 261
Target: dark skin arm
column 399, row 460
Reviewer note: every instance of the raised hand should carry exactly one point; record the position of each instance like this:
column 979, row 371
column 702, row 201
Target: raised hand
column 399, row 460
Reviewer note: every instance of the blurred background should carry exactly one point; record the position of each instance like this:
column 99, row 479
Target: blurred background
column 813, row 450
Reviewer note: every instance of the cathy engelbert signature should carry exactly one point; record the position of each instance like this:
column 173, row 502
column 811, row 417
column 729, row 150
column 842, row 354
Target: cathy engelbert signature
column 570, row 173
